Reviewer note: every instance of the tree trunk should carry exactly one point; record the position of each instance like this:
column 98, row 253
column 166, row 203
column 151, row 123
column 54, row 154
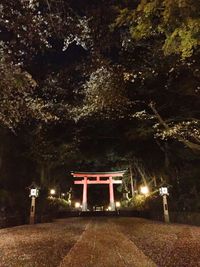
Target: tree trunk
column 131, row 176
column 1, row 155
column 2, row 144
column 154, row 181
column 135, row 184
column 167, row 162
column 141, row 173
column 42, row 175
column 165, row 150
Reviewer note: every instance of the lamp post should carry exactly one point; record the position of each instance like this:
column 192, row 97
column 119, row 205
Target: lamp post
column 164, row 193
column 117, row 205
column 34, row 192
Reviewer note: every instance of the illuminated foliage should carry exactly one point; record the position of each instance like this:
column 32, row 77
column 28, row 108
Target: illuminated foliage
column 175, row 22
column 104, row 94
column 18, row 102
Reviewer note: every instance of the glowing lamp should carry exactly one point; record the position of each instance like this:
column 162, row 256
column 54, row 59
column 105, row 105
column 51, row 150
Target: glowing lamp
column 52, row 192
column 118, row 204
column 163, row 191
column 34, row 190
column 144, row 190
column 77, row 205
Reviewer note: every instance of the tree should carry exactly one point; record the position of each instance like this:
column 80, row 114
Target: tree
column 104, row 94
column 187, row 132
column 40, row 26
column 176, row 23
column 78, row 79
column 19, row 103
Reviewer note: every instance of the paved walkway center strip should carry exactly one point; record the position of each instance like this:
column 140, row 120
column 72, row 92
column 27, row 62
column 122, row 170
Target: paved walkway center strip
column 102, row 245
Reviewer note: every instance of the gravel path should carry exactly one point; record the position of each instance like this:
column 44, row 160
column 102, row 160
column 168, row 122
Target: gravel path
column 100, row 242
column 39, row 245
column 167, row 245
column 102, row 245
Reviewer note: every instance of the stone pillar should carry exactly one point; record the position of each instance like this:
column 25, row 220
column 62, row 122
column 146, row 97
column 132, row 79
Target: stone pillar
column 32, row 211
column 84, row 203
column 165, row 207
column 111, row 190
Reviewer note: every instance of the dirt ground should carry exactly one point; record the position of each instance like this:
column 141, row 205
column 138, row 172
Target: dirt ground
column 100, row 242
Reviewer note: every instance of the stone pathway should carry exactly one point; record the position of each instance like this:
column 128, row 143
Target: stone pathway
column 102, row 245
column 40, row 245
column 100, row 242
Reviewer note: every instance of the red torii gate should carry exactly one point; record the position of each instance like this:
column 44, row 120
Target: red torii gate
column 97, row 179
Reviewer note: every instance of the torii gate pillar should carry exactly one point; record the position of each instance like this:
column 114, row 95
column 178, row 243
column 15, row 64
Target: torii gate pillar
column 111, row 191
column 84, row 202
column 97, row 180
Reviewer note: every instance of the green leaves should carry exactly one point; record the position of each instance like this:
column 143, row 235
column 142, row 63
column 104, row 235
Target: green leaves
column 178, row 21
column 184, row 40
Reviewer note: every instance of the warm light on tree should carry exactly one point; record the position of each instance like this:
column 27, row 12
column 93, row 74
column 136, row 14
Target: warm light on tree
column 77, row 205
column 52, row 192
column 144, row 190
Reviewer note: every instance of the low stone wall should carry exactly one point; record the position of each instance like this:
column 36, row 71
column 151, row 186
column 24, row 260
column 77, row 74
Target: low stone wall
column 192, row 218
column 10, row 221
column 121, row 213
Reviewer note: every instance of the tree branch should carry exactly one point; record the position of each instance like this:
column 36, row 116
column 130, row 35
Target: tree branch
column 187, row 143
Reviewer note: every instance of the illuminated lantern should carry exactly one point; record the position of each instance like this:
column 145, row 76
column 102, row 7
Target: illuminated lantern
column 163, row 191
column 34, row 193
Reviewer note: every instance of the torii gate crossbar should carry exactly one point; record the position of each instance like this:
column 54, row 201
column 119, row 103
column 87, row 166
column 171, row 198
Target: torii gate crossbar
column 97, row 179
